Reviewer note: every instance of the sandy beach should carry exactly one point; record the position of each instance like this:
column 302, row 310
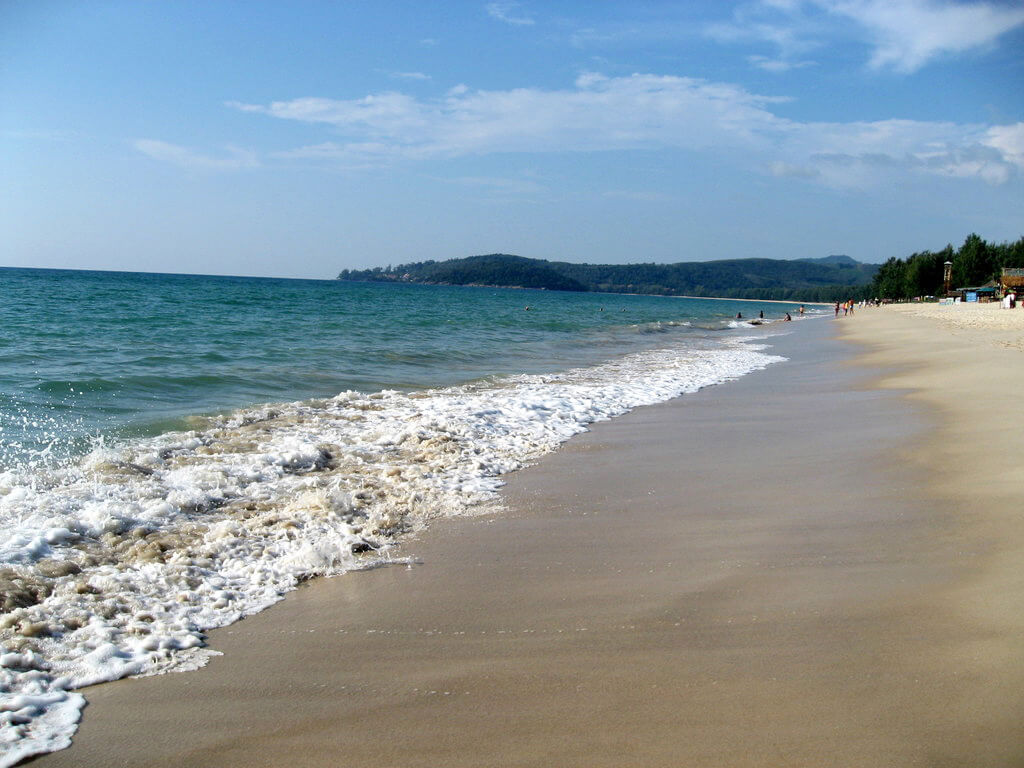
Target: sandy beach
column 816, row 565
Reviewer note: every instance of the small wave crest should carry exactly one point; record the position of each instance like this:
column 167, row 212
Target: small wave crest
column 662, row 326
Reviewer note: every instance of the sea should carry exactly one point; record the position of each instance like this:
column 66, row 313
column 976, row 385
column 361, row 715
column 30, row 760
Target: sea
column 180, row 451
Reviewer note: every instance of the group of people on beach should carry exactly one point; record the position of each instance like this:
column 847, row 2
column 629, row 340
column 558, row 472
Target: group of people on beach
column 846, row 306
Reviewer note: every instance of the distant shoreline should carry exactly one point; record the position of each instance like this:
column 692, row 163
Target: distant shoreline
column 589, row 293
column 761, row 301
column 820, row 280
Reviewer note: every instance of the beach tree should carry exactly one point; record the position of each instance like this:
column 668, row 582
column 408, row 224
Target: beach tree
column 923, row 274
column 889, row 282
column 1010, row 254
column 973, row 264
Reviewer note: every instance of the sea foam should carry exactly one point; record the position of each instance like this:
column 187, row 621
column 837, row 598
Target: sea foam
column 116, row 564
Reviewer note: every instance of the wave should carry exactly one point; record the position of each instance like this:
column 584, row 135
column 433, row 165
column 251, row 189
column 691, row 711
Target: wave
column 664, row 326
column 116, row 564
column 140, row 384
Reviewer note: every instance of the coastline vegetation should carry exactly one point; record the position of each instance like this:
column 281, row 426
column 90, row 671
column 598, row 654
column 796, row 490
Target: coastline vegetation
column 828, row 279
column 975, row 263
column 825, row 279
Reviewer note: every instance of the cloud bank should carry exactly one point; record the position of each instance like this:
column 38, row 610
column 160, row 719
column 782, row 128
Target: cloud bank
column 645, row 111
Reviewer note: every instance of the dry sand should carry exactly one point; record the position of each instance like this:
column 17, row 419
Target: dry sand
column 817, row 565
column 998, row 327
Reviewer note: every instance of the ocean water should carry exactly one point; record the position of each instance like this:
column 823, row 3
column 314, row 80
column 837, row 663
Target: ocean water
column 179, row 451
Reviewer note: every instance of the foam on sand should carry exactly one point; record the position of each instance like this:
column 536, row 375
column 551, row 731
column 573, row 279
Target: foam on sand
column 115, row 565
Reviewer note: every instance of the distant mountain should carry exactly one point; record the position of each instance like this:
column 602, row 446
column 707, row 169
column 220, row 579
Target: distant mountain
column 827, row 279
column 836, row 259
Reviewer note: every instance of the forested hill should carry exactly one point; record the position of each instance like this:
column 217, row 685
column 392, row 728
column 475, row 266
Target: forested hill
column 827, row 279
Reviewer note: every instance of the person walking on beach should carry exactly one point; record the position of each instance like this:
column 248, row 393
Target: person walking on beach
column 837, row 309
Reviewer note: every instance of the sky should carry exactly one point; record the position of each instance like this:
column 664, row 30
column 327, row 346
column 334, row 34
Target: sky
column 298, row 139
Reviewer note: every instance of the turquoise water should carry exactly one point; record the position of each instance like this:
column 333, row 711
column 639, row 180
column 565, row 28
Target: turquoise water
column 113, row 354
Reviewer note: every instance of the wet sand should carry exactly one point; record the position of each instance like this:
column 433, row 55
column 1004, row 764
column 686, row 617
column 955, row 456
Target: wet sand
column 808, row 566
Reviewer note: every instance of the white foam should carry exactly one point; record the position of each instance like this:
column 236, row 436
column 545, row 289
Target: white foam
column 120, row 562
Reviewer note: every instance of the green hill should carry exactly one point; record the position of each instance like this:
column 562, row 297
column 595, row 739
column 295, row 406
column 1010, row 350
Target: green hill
column 492, row 269
column 826, row 279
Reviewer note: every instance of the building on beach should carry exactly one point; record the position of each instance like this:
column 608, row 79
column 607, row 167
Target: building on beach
column 1012, row 279
column 986, row 292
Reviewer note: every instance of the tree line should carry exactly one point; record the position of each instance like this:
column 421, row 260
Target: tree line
column 975, row 263
column 828, row 279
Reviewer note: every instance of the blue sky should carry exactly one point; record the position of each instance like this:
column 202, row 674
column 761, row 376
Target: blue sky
column 296, row 139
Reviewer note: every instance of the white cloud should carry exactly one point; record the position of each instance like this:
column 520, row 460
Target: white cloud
column 646, row 111
column 410, row 76
column 965, row 168
column 1008, row 140
column 858, row 154
column 383, row 114
column 600, row 113
column 504, row 11
column 777, row 65
column 233, row 159
column 907, row 34
column 783, row 25
column 903, row 35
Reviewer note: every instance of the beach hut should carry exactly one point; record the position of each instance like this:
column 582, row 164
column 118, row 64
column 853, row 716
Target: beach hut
column 986, row 292
column 1012, row 279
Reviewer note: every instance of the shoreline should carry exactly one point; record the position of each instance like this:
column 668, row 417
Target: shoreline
column 766, row 301
column 590, row 293
column 673, row 587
